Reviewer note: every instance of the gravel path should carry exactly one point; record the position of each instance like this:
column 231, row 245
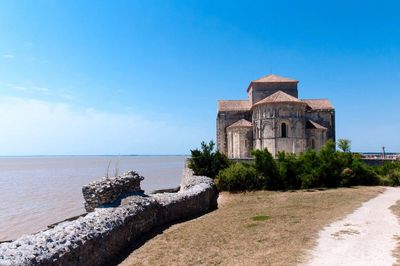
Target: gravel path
column 365, row 237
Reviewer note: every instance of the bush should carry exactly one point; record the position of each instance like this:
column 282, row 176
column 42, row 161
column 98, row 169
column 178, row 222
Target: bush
column 325, row 168
column 389, row 173
column 289, row 170
column 239, row 177
column 330, row 166
column 267, row 169
column 207, row 161
column 308, row 169
column 364, row 173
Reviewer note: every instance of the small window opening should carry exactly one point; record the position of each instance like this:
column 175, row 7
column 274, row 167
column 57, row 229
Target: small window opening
column 283, row 130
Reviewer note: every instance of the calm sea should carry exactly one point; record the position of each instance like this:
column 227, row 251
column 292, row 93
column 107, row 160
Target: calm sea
column 38, row 191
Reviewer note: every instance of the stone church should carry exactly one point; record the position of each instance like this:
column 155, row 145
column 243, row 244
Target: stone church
column 273, row 117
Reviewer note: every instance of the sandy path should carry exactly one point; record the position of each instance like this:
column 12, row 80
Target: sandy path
column 365, row 237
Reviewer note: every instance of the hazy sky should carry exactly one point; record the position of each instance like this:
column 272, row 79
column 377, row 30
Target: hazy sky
column 144, row 77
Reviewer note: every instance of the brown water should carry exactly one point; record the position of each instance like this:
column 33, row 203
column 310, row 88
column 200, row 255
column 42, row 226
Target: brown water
column 38, row 191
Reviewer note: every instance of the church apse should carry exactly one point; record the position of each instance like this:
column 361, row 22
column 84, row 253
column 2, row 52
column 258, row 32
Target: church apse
column 273, row 118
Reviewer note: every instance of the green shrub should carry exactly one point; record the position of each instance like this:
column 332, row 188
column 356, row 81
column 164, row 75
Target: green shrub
column 364, row 174
column 325, row 168
column 290, row 169
column 267, row 169
column 310, row 179
column 394, row 178
column 388, row 173
column 239, row 177
column 207, row 161
column 330, row 166
column 348, row 178
column 308, row 169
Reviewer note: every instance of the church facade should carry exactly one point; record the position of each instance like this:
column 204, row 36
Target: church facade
column 273, row 117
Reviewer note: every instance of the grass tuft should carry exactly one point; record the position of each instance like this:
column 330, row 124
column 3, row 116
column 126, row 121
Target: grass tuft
column 260, row 218
column 251, row 225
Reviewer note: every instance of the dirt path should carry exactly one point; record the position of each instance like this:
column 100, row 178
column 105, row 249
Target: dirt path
column 252, row 228
column 365, row 237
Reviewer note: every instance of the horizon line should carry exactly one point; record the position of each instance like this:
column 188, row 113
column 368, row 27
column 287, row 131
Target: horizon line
column 87, row 155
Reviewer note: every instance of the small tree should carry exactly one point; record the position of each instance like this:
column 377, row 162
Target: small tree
column 344, row 145
column 207, row 161
column 290, row 170
column 266, row 167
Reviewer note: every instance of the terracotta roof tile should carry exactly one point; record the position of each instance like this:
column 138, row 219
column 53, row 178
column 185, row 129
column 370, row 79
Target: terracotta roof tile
column 318, row 104
column 274, row 78
column 271, row 79
column 233, row 105
column 279, row 97
column 241, row 123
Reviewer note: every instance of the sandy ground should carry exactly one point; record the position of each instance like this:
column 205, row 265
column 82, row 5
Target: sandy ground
column 365, row 237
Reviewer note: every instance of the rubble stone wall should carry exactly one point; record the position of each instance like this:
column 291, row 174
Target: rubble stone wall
column 108, row 190
column 99, row 236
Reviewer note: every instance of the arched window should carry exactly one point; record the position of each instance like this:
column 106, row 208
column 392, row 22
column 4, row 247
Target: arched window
column 283, row 130
column 312, row 144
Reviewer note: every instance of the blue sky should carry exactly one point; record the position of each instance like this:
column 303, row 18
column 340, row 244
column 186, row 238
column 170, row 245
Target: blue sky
column 143, row 77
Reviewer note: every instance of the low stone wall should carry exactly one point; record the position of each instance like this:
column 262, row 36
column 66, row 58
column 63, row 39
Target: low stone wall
column 100, row 235
column 110, row 189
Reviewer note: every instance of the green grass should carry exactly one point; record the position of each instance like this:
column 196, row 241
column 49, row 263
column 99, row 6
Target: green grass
column 251, row 225
column 260, row 218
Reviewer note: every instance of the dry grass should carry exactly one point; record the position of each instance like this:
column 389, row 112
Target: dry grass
column 257, row 228
column 396, row 210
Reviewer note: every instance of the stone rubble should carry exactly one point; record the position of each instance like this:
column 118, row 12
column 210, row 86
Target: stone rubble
column 110, row 189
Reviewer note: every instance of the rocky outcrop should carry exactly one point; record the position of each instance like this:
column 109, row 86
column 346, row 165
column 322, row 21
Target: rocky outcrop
column 108, row 190
column 97, row 237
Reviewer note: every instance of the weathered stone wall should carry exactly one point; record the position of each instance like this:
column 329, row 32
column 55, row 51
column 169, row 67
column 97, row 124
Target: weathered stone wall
column 240, row 142
column 224, row 120
column 96, row 238
column 267, row 123
column 316, row 138
column 325, row 118
column 110, row 189
column 260, row 91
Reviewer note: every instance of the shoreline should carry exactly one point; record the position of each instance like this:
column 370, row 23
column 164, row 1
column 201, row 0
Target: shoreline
column 73, row 218
column 49, row 190
column 100, row 235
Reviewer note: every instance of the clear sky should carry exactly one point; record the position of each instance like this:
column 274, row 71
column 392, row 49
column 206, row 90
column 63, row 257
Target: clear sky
column 144, row 77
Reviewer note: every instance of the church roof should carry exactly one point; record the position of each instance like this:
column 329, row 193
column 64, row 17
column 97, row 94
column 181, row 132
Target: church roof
column 274, row 78
column 271, row 78
column 318, row 104
column 279, row 97
column 233, row 105
column 312, row 124
column 241, row 123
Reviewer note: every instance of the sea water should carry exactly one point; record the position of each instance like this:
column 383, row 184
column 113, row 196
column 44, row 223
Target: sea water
column 39, row 191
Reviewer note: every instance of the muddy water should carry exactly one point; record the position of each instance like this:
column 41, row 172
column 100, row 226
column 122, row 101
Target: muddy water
column 38, row 191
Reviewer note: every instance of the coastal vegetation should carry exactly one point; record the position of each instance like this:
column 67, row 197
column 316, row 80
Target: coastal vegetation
column 327, row 168
column 206, row 161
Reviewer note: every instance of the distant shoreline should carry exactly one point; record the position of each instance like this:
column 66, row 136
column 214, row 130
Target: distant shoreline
column 86, row 155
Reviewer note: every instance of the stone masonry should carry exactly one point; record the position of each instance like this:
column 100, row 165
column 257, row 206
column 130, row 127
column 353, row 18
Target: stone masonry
column 110, row 189
column 273, row 118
